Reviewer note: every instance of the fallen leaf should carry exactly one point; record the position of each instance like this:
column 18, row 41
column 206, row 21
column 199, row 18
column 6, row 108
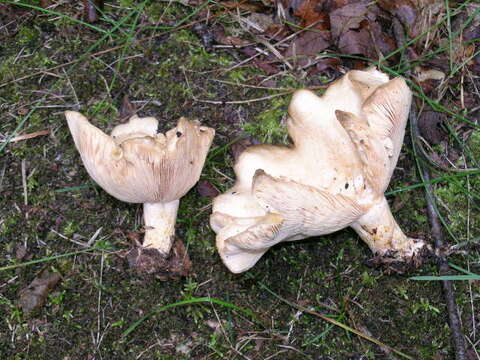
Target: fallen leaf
column 222, row 38
column 265, row 66
column 35, row 295
column 416, row 16
column 312, row 12
column 276, row 32
column 308, row 43
column 242, row 5
column 326, row 65
column 347, row 18
column 423, row 74
column 127, row 109
column 356, row 43
column 206, row 189
column 90, row 9
column 259, row 22
column 383, row 43
column 21, row 252
column 354, row 30
column 405, row 11
column 430, row 126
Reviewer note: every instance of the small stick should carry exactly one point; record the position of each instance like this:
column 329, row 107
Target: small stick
column 28, row 136
column 437, row 232
column 24, row 183
column 220, row 102
column 438, row 236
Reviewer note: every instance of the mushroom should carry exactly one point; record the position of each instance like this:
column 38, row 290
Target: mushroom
column 137, row 165
column 346, row 144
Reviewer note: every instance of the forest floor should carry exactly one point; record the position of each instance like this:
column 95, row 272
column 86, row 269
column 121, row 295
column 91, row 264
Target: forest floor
column 233, row 66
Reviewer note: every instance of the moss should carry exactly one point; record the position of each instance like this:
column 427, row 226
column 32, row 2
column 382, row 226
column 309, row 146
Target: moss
column 103, row 111
column 270, row 124
column 459, row 204
column 27, row 35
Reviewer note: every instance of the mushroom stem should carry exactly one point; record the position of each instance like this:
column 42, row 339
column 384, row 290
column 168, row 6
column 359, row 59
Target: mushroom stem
column 382, row 234
column 160, row 221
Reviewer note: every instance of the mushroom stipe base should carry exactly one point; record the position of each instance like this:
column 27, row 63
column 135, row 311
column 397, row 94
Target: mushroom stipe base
column 389, row 264
column 152, row 263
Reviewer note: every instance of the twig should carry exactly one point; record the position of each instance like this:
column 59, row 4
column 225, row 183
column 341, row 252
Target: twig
column 437, row 233
column 219, row 102
column 28, row 136
column 436, row 228
column 24, row 183
column 2, row 175
column 316, row 87
column 334, row 322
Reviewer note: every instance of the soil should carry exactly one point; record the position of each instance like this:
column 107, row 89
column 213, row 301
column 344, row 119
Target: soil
column 49, row 206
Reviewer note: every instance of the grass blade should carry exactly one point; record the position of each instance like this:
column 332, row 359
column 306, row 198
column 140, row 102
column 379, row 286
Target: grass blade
column 56, row 13
column 335, row 322
column 46, row 259
column 446, row 277
column 192, row 301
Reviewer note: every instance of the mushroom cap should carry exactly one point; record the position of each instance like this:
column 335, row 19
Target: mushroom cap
column 321, row 141
column 283, row 210
column 138, row 165
column 346, row 144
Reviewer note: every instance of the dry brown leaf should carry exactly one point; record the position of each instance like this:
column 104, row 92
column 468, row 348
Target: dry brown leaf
column 430, row 126
column 423, row 74
column 90, row 9
column 206, row 189
column 21, row 252
column 356, row 30
column 35, row 295
column 127, row 109
column 222, row 38
column 350, row 30
column 416, row 16
column 246, row 6
column 265, row 66
column 310, row 12
column 277, row 32
column 326, row 66
column 308, row 43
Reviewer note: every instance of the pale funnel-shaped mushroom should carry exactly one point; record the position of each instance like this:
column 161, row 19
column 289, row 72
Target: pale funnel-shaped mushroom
column 345, row 147
column 138, row 165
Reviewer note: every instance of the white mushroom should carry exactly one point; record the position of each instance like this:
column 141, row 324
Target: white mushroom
column 345, row 147
column 137, row 165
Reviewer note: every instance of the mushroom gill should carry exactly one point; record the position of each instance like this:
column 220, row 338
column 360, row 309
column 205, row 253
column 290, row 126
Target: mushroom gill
column 346, row 144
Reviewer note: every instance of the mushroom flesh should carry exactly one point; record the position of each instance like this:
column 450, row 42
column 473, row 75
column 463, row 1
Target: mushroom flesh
column 138, row 165
column 346, row 144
